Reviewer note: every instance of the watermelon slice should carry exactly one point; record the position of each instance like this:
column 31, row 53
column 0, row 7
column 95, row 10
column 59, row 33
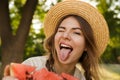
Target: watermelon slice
column 26, row 72
column 44, row 74
column 21, row 71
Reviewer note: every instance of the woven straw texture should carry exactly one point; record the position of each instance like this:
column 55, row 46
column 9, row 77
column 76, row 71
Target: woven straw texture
column 85, row 10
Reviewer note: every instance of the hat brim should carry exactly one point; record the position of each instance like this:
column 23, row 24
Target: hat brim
column 86, row 11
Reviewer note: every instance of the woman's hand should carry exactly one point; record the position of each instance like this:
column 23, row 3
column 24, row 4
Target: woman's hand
column 7, row 74
column 7, row 70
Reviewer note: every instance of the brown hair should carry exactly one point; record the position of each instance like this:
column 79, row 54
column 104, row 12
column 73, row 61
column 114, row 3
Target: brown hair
column 89, row 58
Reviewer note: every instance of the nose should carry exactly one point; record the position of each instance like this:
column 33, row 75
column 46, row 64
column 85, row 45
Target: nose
column 66, row 35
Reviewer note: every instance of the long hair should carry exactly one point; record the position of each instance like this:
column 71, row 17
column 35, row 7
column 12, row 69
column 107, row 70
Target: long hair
column 89, row 59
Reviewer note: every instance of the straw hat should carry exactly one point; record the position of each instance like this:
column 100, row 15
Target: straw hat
column 83, row 9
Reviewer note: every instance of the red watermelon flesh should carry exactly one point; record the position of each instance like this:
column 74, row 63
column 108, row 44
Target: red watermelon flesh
column 21, row 71
column 44, row 74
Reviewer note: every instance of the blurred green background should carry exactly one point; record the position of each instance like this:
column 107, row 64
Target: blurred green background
column 22, row 35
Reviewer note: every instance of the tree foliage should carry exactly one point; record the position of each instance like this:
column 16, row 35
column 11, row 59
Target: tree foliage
column 14, row 30
column 34, row 44
column 111, row 11
column 17, row 38
column 34, row 39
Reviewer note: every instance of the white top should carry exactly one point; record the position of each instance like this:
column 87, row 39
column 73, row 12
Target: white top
column 40, row 61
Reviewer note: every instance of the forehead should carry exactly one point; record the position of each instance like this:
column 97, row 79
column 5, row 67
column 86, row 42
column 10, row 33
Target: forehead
column 70, row 21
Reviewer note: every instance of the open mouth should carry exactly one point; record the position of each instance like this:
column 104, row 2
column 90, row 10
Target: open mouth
column 65, row 47
column 65, row 51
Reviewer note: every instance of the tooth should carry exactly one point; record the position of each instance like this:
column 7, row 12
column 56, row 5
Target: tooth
column 64, row 45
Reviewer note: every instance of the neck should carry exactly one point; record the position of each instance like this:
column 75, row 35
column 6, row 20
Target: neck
column 66, row 68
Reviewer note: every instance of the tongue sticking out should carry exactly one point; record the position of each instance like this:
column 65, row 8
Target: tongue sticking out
column 64, row 53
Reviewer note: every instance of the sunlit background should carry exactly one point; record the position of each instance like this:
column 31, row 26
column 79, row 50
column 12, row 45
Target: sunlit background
column 37, row 24
column 34, row 43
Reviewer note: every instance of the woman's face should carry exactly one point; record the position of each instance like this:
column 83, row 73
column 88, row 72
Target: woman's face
column 69, row 41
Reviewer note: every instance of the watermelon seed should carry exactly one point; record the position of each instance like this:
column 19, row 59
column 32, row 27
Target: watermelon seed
column 28, row 76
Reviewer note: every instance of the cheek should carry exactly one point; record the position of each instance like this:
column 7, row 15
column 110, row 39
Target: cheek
column 58, row 36
column 79, row 48
column 56, row 39
column 79, row 43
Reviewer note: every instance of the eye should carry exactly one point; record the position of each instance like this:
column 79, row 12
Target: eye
column 78, row 33
column 60, row 30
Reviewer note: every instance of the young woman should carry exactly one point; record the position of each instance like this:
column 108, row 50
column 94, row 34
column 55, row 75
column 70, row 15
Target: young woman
column 73, row 43
column 76, row 35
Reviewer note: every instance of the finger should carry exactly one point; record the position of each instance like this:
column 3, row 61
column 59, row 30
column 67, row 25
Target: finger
column 7, row 70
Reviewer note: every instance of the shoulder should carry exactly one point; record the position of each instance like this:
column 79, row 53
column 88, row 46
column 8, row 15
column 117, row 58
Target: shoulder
column 39, row 61
column 79, row 72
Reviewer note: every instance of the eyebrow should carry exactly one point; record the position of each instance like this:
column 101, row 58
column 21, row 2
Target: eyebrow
column 61, row 27
column 72, row 28
column 76, row 28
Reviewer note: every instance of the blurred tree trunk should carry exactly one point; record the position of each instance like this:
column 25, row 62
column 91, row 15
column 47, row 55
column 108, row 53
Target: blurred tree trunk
column 13, row 45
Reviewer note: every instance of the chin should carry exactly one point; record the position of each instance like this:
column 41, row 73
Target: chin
column 67, row 61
